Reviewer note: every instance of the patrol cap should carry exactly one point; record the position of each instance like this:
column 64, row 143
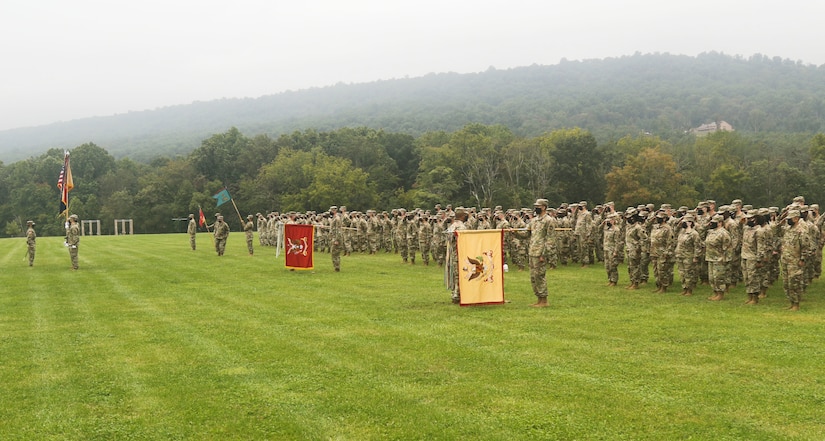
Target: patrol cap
column 711, row 202
column 665, row 207
column 583, row 203
column 220, row 217
column 74, row 216
column 541, row 202
column 661, row 215
column 460, row 210
column 774, row 209
column 750, row 214
column 30, row 223
column 793, row 214
column 764, row 211
column 191, row 215
column 334, row 207
column 814, row 207
column 249, row 217
column 631, row 212
column 683, row 208
column 799, row 199
column 688, row 218
column 747, row 207
column 736, row 202
column 717, row 218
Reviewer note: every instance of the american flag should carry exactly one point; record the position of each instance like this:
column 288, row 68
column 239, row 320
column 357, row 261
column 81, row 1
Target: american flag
column 65, row 184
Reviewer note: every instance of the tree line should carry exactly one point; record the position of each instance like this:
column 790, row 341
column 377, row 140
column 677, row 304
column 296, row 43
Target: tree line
column 478, row 165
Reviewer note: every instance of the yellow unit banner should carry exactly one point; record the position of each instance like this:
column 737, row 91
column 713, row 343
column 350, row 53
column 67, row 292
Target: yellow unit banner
column 480, row 261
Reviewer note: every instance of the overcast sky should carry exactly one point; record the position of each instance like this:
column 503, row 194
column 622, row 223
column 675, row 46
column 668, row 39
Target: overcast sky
column 62, row 60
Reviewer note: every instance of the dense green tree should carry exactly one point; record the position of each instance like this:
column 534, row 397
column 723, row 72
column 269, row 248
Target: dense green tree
column 578, row 165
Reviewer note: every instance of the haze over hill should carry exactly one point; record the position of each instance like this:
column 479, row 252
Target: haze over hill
column 658, row 93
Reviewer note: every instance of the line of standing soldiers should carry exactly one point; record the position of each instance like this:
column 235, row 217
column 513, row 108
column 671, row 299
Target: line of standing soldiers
column 722, row 248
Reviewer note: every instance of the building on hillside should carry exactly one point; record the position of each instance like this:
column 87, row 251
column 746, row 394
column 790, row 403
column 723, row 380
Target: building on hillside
column 705, row 129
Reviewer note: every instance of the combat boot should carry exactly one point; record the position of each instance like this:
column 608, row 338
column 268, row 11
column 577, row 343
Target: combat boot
column 718, row 295
column 541, row 303
column 794, row 306
column 751, row 299
column 763, row 294
column 688, row 293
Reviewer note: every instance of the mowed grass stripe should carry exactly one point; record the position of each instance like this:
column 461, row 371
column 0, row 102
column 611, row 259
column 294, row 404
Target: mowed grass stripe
column 157, row 341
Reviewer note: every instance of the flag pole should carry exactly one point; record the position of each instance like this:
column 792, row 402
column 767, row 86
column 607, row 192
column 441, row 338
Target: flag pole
column 239, row 213
column 205, row 224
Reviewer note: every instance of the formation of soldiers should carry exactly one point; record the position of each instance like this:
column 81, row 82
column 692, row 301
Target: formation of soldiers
column 719, row 246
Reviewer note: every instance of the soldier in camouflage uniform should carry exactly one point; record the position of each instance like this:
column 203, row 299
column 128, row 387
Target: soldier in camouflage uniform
column 336, row 237
column 452, row 248
column 661, row 243
column 401, row 234
column 425, row 236
column 248, row 230
column 31, row 241
column 717, row 251
column 518, row 253
column 541, row 233
column 796, row 249
column 221, row 234
column 611, row 239
column 565, row 236
column 192, row 230
column 635, row 238
column 584, row 234
column 688, row 253
column 73, row 240
column 373, row 231
column 751, row 259
column 412, row 236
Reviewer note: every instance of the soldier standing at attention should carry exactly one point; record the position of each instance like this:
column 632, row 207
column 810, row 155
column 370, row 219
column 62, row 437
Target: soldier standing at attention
column 796, row 248
column 688, row 252
column 73, row 239
column 336, row 237
column 583, row 230
column 221, row 234
column 542, row 234
column 248, row 230
column 192, row 229
column 31, row 238
column 661, row 243
column 452, row 248
column 717, row 246
column 611, row 245
column 635, row 238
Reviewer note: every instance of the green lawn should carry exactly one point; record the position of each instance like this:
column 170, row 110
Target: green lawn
column 150, row 340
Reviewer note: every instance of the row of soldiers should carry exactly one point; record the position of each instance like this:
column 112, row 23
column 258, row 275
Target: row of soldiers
column 662, row 239
column 736, row 243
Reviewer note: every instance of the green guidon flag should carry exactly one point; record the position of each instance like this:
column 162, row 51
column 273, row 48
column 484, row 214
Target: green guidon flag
column 222, row 197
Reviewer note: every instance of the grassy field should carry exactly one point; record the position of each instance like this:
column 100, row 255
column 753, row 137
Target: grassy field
column 150, row 340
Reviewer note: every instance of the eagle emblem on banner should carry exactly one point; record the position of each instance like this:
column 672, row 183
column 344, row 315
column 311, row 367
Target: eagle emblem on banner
column 481, row 268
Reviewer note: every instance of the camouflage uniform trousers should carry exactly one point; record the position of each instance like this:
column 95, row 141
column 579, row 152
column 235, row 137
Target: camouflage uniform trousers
column 73, row 255
column 412, row 247
column 192, row 241
column 220, row 246
column 374, row 240
column 424, row 246
column 335, row 250
column 586, row 249
column 249, row 242
column 660, row 266
column 634, row 268
column 793, row 282
column 611, row 265
column 718, row 276
column 688, row 273
column 564, row 249
column 644, row 266
column 401, row 246
column 751, row 277
column 670, row 263
column 538, row 276
column 31, row 248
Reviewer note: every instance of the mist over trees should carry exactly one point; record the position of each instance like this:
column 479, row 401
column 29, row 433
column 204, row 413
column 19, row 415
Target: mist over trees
column 613, row 129
column 661, row 94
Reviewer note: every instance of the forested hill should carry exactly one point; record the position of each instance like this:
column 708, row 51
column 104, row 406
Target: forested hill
column 658, row 93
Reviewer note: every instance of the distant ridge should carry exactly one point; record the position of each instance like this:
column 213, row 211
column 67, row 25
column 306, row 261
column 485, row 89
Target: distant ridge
column 659, row 93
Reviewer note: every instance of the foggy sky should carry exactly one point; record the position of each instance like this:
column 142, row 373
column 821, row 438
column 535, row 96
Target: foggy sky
column 63, row 60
